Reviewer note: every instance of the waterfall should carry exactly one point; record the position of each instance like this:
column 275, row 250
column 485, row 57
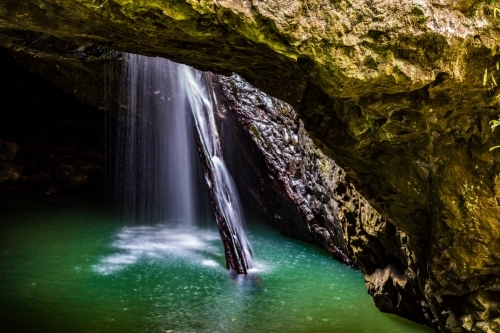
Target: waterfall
column 155, row 164
column 220, row 183
column 165, row 118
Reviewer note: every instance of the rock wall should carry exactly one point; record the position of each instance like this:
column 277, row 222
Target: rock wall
column 391, row 89
column 49, row 141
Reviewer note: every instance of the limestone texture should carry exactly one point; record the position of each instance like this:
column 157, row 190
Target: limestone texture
column 391, row 89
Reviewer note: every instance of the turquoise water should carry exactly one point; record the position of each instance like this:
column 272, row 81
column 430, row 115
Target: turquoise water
column 72, row 270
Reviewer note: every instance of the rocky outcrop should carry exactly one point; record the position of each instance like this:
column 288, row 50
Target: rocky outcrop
column 307, row 196
column 286, row 181
column 392, row 90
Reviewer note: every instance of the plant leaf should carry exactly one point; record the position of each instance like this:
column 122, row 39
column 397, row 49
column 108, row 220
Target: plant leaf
column 494, row 124
column 493, row 79
column 485, row 78
column 495, row 147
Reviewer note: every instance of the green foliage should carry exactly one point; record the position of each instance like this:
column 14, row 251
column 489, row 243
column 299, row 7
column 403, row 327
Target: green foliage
column 491, row 78
column 494, row 124
column 494, row 70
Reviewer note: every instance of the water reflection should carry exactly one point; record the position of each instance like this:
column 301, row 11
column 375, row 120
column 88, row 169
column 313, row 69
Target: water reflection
column 81, row 272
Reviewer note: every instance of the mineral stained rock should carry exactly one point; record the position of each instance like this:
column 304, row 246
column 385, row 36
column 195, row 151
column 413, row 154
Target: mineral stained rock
column 392, row 90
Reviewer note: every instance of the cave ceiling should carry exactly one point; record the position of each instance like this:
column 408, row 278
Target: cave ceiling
column 392, row 90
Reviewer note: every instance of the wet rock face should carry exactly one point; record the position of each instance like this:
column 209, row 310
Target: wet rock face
column 307, row 196
column 281, row 157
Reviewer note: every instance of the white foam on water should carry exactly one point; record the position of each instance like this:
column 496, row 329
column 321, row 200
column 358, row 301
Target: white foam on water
column 211, row 263
column 259, row 267
column 163, row 244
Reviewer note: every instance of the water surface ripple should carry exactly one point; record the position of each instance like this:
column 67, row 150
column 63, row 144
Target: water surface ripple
column 70, row 270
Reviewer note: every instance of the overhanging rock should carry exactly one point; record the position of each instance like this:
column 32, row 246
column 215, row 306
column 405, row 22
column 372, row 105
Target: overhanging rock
column 392, row 90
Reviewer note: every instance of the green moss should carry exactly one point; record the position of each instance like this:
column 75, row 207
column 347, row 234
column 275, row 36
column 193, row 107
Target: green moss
column 256, row 132
column 177, row 10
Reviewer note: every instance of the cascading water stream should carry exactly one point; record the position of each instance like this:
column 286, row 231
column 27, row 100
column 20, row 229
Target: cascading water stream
column 220, row 183
column 166, row 113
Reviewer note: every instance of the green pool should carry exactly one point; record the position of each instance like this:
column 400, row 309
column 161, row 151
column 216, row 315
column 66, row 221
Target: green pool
column 67, row 269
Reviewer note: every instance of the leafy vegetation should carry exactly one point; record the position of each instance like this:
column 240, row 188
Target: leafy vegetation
column 489, row 76
column 496, row 122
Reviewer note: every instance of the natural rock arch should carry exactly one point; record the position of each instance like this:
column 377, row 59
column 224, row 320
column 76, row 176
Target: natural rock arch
column 392, row 90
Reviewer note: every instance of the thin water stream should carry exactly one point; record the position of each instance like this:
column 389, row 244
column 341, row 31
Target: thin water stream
column 72, row 270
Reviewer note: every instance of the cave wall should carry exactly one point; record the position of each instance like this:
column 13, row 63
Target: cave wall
column 392, row 90
column 50, row 142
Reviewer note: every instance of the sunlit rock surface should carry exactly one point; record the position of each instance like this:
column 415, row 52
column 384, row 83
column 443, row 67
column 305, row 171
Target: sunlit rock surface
column 392, row 90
